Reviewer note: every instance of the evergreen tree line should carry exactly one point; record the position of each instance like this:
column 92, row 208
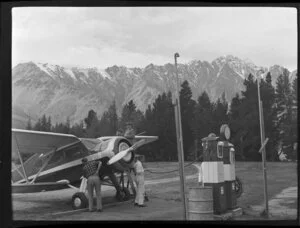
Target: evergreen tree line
column 201, row 117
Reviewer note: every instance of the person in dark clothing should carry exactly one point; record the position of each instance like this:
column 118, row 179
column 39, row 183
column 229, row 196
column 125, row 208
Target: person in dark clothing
column 129, row 132
column 90, row 172
column 120, row 132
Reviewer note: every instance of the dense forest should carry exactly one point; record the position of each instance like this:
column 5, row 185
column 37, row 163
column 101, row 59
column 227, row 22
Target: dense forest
column 201, row 117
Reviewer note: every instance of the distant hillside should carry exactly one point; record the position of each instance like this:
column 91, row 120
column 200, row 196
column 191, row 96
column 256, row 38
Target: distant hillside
column 60, row 92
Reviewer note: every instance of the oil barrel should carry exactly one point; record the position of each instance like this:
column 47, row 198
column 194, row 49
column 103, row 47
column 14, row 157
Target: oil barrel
column 200, row 203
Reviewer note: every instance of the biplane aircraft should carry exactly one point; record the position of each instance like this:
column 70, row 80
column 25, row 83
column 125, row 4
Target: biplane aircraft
column 45, row 161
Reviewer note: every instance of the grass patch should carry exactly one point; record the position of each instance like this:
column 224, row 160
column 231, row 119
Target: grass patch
column 280, row 175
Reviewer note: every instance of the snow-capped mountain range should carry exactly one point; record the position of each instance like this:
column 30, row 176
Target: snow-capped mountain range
column 61, row 92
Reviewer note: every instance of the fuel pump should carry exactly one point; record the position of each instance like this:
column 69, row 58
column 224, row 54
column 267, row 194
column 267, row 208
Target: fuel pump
column 213, row 172
column 229, row 166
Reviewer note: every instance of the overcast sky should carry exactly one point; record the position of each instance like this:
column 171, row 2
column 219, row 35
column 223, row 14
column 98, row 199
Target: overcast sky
column 137, row 36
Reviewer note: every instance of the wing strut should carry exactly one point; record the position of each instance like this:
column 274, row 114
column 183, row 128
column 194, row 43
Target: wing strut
column 21, row 160
column 44, row 165
column 17, row 168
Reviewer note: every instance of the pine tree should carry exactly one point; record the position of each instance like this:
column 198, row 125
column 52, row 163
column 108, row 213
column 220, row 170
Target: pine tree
column 270, row 117
column 104, row 125
column 92, row 124
column 48, row 124
column 160, row 121
column 54, row 128
column 108, row 123
column 224, row 102
column 187, row 106
column 92, row 117
column 237, row 129
column 29, row 126
column 283, row 94
column 67, row 126
column 138, row 118
column 150, row 150
column 131, row 114
column 203, row 120
column 78, row 130
column 44, row 123
column 149, row 121
column 170, row 130
column 249, row 114
column 295, row 116
column 127, row 113
column 220, row 117
column 284, row 101
column 295, row 91
column 38, row 125
column 113, row 118
column 234, row 107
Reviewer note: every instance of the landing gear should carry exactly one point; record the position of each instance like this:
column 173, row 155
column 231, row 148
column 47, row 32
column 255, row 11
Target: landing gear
column 123, row 194
column 79, row 201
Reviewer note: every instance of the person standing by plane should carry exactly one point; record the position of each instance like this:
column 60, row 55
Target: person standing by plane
column 139, row 174
column 129, row 132
column 120, row 132
column 90, row 172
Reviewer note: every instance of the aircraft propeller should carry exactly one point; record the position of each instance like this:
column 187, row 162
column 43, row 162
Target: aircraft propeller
column 123, row 153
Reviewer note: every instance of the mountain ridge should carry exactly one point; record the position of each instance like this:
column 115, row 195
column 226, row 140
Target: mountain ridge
column 61, row 92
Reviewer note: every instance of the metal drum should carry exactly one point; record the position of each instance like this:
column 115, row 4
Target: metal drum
column 200, row 202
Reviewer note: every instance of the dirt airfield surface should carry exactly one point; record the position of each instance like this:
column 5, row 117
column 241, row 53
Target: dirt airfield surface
column 49, row 209
column 165, row 203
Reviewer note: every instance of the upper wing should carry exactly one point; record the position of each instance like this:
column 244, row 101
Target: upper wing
column 30, row 142
column 35, row 149
column 142, row 140
column 103, row 138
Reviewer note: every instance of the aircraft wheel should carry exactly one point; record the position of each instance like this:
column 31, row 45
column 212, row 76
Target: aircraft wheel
column 79, row 201
column 123, row 195
column 238, row 187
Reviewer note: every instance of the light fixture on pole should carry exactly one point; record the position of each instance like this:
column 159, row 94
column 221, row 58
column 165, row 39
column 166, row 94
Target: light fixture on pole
column 263, row 143
column 180, row 141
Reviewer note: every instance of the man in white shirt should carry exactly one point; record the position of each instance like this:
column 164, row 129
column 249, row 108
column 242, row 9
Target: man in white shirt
column 139, row 174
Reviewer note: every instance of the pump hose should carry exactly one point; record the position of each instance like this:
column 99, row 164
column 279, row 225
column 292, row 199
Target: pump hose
column 238, row 182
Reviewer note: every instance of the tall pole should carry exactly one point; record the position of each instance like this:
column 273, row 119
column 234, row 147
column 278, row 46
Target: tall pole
column 262, row 140
column 180, row 143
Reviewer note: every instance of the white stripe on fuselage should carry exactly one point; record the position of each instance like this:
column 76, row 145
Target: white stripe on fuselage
column 108, row 152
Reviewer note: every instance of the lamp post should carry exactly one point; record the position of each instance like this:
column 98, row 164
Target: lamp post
column 180, row 141
column 262, row 140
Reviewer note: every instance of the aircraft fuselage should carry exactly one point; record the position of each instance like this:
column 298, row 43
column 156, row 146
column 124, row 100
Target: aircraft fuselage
column 57, row 170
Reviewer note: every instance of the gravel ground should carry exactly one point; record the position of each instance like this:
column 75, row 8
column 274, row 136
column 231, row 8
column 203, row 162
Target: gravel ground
column 164, row 193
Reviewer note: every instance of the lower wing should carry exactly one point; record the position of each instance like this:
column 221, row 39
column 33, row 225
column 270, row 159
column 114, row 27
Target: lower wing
column 38, row 187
